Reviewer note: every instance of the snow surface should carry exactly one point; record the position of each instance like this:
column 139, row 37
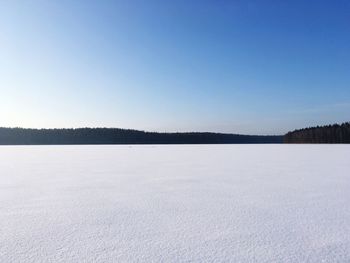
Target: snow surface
column 204, row 203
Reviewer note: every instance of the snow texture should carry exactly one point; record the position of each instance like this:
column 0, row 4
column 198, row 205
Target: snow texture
column 188, row 203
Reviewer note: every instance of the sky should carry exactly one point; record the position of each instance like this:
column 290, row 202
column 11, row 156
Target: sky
column 252, row 67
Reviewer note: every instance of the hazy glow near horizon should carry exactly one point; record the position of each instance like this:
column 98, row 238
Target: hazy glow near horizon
column 228, row 66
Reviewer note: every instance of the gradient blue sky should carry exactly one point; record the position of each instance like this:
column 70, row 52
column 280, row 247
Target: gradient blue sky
column 259, row 67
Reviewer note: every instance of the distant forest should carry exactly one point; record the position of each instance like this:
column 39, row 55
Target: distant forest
column 326, row 134
column 20, row 136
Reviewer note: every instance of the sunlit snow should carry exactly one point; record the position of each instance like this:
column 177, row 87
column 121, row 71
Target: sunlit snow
column 181, row 203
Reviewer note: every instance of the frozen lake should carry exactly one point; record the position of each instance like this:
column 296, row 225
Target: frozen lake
column 205, row 203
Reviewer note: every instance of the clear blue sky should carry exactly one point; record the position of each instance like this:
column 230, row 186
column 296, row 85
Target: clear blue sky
column 258, row 67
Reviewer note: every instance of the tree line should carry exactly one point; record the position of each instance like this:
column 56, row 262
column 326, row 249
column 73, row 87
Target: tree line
column 336, row 133
column 21, row 136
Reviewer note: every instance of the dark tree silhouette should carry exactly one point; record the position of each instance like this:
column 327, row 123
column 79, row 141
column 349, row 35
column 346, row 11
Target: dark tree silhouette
column 326, row 134
column 19, row 136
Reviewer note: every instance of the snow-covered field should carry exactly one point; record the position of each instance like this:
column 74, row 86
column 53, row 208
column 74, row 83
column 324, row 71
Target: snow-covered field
column 219, row 203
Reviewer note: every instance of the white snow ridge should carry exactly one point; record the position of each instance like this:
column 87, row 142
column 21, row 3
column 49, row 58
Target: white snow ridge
column 184, row 203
